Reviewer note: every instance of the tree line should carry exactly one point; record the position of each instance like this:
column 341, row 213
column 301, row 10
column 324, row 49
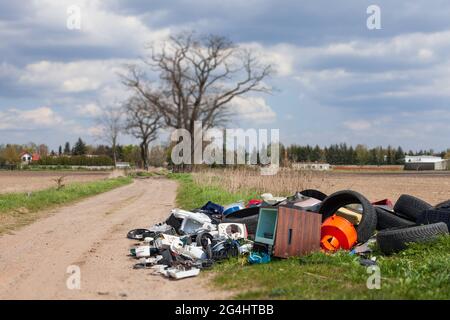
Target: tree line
column 342, row 154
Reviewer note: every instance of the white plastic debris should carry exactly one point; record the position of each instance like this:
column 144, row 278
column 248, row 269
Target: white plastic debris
column 270, row 199
column 193, row 221
column 190, row 251
column 142, row 251
column 245, row 248
column 181, row 274
column 151, row 260
column 232, row 230
column 165, row 241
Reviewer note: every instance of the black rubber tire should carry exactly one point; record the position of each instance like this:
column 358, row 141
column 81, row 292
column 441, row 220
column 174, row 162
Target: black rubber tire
column 243, row 213
column 387, row 219
column 434, row 216
column 367, row 226
column 313, row 193
column 251, row 222
column 410, row 207
column 396, row 239
column 202, row 239
column 139, row 234
column 443, row 205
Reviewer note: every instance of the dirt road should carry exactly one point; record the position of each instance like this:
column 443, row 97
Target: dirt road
column 91, row 235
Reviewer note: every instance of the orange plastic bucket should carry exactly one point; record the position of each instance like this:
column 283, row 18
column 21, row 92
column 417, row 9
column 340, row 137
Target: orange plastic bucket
column 337, row 233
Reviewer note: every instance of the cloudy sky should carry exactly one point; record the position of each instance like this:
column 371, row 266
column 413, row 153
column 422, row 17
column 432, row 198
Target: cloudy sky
column 337, row 81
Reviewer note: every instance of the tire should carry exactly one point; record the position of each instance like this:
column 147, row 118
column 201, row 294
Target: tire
column 444, row 205
column 434, row 216
column 367, row 226
column 394, row 240
column 312, row 193
column 251, row 222
column 387, row 219
column 243, row 213
column 139, row 234
column 410, row 207
column 202, row 239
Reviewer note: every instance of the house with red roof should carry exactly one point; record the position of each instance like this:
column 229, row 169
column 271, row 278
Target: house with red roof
column 27, row 157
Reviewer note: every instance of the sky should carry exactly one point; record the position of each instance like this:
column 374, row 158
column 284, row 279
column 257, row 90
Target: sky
column 336, row 80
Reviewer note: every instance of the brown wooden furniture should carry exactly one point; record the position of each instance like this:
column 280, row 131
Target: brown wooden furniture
column 291, row 231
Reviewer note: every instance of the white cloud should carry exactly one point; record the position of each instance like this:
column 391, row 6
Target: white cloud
column 99, row 26
column 253, row 109
column 358, row 125
column 89, row 110
column 95, row 131
column 279, row 57
column 43, row 117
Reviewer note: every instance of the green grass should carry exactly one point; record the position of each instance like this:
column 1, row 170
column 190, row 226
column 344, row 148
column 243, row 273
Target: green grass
column 420, row 272
column 191, row 195
column 17, row 209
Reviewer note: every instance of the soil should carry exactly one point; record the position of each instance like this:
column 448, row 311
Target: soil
column 91, row 235
column 26, row 181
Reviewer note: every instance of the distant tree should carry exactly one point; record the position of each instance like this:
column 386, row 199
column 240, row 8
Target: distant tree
column 143, row 122
column 111, row 125
column 447, row 154
column 399, row 156
column 67, row 149
column 79, row 148
column 43, row 150
column 157, row 156
column 10, row 154
column 362, row 154
column 60, row 151
column 132, row 154
column 200, row 77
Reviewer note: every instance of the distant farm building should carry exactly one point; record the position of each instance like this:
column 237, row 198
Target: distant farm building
column 123, row 165
column 311, row 166
column 426, row 163
column 27, row 158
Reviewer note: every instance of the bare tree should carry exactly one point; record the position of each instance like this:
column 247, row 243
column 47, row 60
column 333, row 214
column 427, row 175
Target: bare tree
column 111, row 122
column 143, row 122
column 199, row 76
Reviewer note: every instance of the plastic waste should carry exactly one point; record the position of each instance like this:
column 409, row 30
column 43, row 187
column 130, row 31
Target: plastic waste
column 182, row 273
column 232, row 230
column 270, row 199
column 258, row 257
column 337, row 233
column 193, row 221
column 233, row 207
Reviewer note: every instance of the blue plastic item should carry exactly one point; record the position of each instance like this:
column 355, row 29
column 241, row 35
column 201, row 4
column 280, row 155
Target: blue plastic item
column 213, row 208
column 232, row 208
column 258, row 257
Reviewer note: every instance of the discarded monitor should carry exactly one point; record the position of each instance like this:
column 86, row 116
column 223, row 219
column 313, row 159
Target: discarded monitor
column 288, row 230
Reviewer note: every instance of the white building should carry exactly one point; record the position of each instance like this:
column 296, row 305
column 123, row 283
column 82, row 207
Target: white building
column 311, row 166
column 425, row 163
column 123, row 165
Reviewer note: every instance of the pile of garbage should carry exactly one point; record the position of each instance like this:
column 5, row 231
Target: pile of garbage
column 189, row 241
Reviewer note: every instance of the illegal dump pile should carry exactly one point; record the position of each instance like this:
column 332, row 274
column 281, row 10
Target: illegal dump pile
column 280, row 227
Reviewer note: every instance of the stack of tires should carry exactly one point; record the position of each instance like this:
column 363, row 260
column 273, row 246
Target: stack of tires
column 412, row 220
column 409, row 220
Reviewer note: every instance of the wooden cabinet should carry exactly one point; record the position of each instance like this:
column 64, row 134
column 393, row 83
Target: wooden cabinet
column 291, row 231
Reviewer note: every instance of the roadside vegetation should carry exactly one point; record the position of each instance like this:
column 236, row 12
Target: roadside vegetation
column 420, row 272
column 18, row 209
